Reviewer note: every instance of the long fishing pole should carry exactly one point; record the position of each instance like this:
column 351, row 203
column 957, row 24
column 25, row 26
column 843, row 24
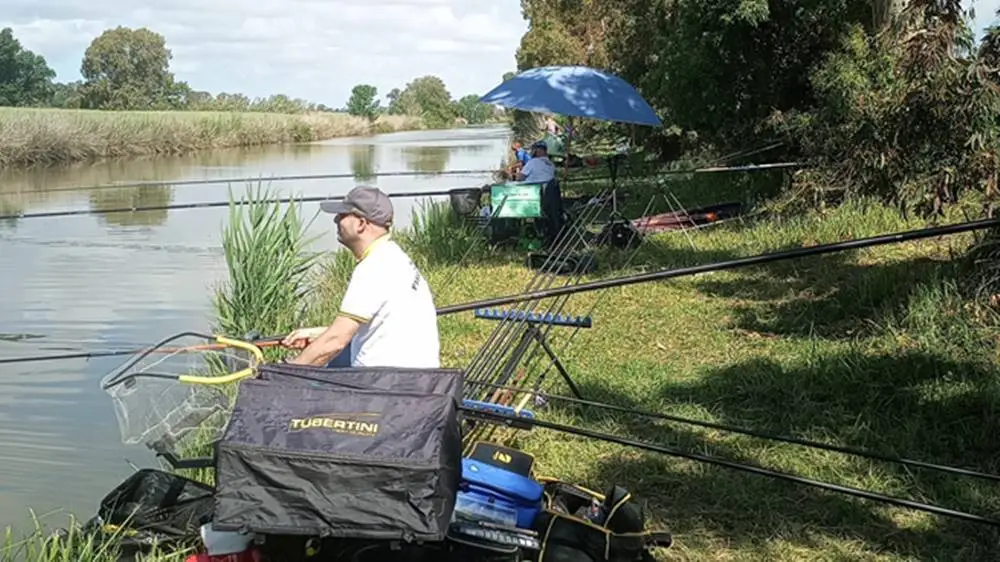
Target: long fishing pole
column 210, row 204
column 268, row 341
column 753, row 433
column 668, row 273
column 299, row 177
column 866, row 494
column 724, row 265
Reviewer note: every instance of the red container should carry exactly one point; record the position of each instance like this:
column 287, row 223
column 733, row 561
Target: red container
column 250, row 555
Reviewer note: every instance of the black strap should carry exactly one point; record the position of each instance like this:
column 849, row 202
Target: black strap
column 660, row 539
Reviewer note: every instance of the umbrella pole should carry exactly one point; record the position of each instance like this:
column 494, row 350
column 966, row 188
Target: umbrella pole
column 569, row 141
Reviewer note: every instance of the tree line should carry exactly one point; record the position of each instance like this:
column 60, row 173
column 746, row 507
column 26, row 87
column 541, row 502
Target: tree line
column 427, row 97
column 889, row 99
column 129, row 69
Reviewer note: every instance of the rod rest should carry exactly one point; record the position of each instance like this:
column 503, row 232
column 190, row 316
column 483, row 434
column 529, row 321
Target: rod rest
column 535, row 317
column 481, row 410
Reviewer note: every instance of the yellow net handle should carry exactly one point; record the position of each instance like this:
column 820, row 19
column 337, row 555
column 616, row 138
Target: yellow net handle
column 232, row 377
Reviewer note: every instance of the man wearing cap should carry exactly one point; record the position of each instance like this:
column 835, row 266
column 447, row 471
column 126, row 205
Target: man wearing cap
column 539, row 169
column 387, row 316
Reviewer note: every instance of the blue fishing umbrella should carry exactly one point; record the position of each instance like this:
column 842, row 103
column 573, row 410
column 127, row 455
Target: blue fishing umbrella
column 574, row 91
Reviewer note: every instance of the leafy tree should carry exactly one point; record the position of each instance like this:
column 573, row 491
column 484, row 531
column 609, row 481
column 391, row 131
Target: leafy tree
column 472, row 110
column 127, row 68
column 886, row 98
column 427, row 97
column 66, row 95
column 393, row 98
column 363, row 101
column 25, row 78
column 901, row 118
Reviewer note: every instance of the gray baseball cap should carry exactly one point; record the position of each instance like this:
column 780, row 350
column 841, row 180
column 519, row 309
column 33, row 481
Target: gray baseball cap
column 369, row 202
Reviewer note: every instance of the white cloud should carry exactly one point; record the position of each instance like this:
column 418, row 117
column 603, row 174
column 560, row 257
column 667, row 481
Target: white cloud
column 313, row 49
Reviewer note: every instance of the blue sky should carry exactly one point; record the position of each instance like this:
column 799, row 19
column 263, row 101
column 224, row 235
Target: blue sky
column 313, row 49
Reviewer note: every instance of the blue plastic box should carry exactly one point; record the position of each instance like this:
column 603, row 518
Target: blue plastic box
column 493, row 494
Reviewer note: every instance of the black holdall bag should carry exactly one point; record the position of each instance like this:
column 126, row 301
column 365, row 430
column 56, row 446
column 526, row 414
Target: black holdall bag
column 323, row 461
column 422, row 381
column 579, row 525
column 152, row 507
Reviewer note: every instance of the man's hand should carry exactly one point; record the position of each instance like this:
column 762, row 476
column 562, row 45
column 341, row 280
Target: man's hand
column 320, row 345
column 300, row 338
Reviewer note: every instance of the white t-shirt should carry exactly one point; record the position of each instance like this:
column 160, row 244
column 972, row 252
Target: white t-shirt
column 391, row 299
column 539, row 170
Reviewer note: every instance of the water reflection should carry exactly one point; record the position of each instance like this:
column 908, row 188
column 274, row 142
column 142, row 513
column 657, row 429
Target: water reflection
column 363, row 162
column 132, row 197
column 430, row 159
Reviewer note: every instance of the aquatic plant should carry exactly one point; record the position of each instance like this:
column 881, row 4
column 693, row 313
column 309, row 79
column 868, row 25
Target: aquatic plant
column 268, row 261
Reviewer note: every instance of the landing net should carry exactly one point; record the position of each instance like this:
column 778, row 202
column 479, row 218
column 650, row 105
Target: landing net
column 177, row 395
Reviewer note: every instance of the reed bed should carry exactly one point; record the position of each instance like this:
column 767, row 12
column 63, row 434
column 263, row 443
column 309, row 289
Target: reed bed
column 39, row 137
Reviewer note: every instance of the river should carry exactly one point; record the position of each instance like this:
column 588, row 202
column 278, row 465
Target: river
column 113, row 281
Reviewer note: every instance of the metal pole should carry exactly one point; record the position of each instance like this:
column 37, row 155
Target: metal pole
column 572, row 430
column 210, row 204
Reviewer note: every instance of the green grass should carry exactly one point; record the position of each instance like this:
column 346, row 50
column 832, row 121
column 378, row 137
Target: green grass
column 30, row 137
column 876, row 348
column 72, row 545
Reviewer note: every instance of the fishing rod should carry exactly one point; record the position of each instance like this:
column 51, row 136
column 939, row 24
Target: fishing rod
column 816, row 250
column 166, row 183
column 259, row 341
column 519, row 421
column 661, row 274
column 753, row 433
column 301, row 177
column 210, row 204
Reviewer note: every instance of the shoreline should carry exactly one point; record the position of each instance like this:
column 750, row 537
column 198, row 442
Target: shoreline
column 42, row 137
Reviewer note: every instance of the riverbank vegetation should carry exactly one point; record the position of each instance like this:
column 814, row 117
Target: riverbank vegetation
column 428, row 97
column 53, row 136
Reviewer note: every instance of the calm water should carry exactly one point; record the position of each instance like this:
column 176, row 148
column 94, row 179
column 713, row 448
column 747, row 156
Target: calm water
column 98, row 282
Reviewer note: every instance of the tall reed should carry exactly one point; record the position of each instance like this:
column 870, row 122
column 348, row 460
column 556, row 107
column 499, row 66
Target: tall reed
column 268, row 261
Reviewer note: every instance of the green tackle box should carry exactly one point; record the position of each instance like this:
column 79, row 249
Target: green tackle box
column 523, row 200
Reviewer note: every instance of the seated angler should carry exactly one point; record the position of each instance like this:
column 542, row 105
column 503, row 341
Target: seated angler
column 387, row 317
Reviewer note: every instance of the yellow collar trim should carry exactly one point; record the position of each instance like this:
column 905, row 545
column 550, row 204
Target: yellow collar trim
column 375, row 243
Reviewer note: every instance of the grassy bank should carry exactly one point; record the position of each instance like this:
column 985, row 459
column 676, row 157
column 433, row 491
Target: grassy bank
column 54, row 136
column 874, row 348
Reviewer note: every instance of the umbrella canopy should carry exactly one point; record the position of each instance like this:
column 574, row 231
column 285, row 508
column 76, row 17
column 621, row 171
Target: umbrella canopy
column 576, row 91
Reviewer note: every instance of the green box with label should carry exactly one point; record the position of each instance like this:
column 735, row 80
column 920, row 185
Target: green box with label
column 523, row 200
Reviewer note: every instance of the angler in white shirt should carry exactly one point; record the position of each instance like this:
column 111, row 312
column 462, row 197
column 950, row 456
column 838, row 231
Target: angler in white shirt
column 539, row 169
column 387, row 316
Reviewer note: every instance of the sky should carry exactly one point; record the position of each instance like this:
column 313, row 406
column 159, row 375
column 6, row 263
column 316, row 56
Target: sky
column 312, row 49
